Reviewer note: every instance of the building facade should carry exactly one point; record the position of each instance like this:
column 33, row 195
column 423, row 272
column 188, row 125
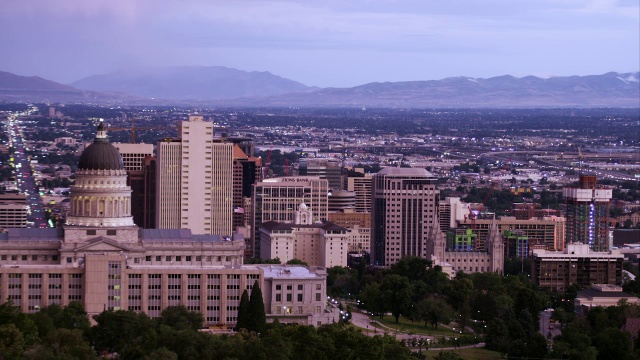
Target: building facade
column 588, row 213
column 577, row 264
column 194, row 188
column 405, row 205
column 277, row 199
column 318, row 243
column 103, row 260
column 547, row 233
column 362, row 187
column 13, row 211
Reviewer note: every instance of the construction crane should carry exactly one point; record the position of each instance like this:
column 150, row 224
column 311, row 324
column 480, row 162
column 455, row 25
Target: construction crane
column 133, row 129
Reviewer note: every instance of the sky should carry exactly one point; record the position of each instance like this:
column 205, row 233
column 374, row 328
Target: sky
column 326, row 43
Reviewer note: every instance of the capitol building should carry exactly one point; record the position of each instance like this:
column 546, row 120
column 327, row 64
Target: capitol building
column 103, row 260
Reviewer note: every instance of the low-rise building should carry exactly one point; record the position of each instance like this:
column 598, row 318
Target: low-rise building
column 577, row 264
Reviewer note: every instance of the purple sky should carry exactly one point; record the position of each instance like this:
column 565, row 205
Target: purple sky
column 322, row 42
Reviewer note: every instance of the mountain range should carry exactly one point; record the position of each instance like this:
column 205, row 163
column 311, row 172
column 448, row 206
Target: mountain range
column 221, row 86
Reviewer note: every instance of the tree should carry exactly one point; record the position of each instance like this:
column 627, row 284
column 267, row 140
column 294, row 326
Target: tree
column 63, row 344
column 258, row 318
column 161, row 354
column 497, row 336
column 435, row 310
column 11, row 342
column 10, row 314
column 371, row 296
column 243, row 312
column 396, row 293
column 297, row 262
column 116, row 330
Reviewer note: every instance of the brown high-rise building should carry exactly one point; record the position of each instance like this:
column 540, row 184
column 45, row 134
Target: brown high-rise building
column 247, row 171
column 405, row 206
column 588, row 213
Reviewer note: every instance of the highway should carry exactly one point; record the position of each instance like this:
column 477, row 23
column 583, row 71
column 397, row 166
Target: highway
column 24, row 176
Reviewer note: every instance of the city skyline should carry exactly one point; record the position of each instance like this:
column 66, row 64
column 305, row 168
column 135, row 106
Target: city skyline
column 323, row 43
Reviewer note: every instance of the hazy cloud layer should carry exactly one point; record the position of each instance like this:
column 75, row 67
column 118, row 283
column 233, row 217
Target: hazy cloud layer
column 322, row 42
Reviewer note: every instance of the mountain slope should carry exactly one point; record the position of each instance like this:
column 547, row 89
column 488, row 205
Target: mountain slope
column 607, row 90
column 192, row 82
column 9, row 81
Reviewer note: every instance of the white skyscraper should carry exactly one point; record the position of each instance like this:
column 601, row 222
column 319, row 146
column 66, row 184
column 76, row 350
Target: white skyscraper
column 195, row 180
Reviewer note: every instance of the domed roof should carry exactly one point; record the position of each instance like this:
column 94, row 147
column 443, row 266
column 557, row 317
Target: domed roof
column 101, row 155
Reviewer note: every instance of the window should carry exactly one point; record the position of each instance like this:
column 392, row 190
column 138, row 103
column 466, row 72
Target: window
column 147, row 258
column 289, row 297
column 300, row 287
column 158, row 258
column 91, row 232
column 278, row 297
column 278, row 287
column 111, row 232
column 299, row 297
column 289, row 287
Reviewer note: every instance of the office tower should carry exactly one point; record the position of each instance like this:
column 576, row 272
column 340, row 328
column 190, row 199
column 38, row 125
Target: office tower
column 340, row 200
column 329, row 169
column 13, row 211
column 245, row 144
column 450, row 211
column 405, row 205
column 105, row 262
column 195, row 180
column 278, row 199
column 247, row 171
column 133, row 159
column 149, row 176
column 362, row 187
column 587, row 213
column 359, row 225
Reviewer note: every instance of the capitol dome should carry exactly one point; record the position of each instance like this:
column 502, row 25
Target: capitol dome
column 100, row 155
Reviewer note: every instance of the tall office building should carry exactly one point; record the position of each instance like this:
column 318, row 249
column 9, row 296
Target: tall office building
column 587, row 213
column 247, row 171
column 329, row 169
column 362, row 187
column 278, row 199
column 195, row 180
column 13, row 211
column 133, row 159
column 405, row 205
column 101, row 259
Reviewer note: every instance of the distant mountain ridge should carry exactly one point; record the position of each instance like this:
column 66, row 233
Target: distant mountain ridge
column 222, row 86
column 607, row 90
column 192, row 83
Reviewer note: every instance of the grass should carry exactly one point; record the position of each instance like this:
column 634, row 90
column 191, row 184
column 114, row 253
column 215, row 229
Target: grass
column 405, row 325
column 468, row 354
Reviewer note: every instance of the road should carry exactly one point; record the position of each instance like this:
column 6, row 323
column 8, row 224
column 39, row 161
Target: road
column 365, row 323
column 24, row 176
column 546, row 326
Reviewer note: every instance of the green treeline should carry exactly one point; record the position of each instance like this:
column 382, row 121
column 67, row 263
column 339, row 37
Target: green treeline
column 503, row 310
column 65, row 333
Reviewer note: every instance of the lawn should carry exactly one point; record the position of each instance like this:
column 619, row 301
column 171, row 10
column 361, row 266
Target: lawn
column 405, row 325
column 468, row 354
